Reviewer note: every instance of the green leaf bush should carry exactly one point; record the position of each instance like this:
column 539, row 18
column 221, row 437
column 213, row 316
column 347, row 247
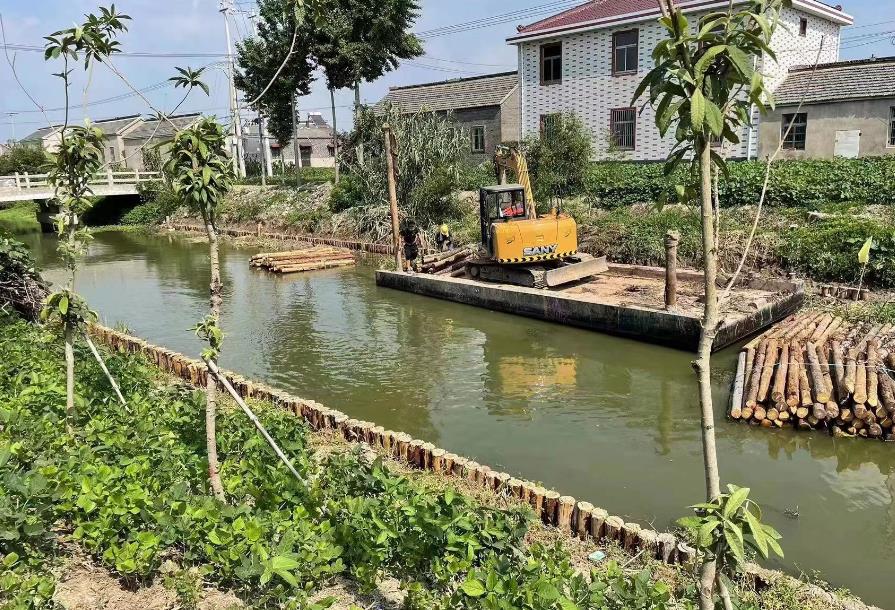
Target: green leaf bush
column 793, row 183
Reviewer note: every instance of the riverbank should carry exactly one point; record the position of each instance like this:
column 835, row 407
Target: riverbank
column 154, row 516
column 582, row 412
column 818, row 243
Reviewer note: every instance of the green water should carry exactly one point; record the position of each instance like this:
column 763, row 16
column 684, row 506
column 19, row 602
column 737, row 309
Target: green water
column 601, row 418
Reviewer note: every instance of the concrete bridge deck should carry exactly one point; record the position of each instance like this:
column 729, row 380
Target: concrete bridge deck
column 26, row 187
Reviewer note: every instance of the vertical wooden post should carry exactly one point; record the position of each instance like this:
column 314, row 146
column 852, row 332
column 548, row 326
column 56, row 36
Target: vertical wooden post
column 18, row 181
column 672, row 238
column 109, row 176
column 27, row 181
column 392, row 194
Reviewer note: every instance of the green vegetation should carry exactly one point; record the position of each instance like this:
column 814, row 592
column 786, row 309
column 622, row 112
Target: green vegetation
column 132, row 490
column 287, row 176
column 20, row 218
column 793, row 183
column 558, row 163
column 23, row 158
column 824, row 249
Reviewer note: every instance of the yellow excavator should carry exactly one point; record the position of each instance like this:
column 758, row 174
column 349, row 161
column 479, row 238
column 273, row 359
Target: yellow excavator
column 518, row 246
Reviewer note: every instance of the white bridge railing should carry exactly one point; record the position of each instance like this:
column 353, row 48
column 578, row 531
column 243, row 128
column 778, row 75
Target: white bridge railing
column 26, row 181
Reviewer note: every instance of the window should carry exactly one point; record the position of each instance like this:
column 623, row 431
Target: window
column 549, row 124
column 111, row 154
column 623, row 127
column 551, row 63
column 625, row 52
column 478, row 139
column 892, row 126
column 803, row 26
column 304, row 153
column 794, row 130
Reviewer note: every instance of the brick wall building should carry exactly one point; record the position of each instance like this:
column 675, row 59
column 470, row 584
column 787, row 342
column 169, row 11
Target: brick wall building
column 589, row 60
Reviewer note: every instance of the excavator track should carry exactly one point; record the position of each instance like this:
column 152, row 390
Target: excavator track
column 537, row 276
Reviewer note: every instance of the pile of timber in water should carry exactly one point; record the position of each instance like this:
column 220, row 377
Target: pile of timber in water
column 307, row 259
column 452, row 262
column 816, row 371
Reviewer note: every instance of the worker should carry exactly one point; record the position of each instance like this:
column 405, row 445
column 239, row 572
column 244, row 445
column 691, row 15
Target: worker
column 444, row 240
column 410, row 235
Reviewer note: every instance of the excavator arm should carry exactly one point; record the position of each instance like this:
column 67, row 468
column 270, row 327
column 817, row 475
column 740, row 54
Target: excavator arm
column 511, row 159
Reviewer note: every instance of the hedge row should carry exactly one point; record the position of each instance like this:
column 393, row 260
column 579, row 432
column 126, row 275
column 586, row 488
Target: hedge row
column 793, row 183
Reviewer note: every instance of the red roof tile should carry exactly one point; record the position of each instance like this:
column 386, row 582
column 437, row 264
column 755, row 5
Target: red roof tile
column 607, row 11
column 591, row 11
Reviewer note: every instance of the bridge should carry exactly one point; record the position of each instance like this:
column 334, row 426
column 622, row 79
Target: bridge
column 26, row 187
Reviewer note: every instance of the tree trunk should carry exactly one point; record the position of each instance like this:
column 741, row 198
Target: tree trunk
column 69, row 378
column 360, row 145
column 332, row 101
column 703, row 365
column 296, row 148
column 211, row 386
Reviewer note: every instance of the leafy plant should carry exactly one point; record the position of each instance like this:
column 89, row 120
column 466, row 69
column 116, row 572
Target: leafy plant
column 558, row 162
column 730, row 530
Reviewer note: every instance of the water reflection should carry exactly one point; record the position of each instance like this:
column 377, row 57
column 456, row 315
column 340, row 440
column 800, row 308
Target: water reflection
column 602, row 418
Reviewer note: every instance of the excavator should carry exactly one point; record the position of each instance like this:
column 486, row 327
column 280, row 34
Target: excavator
column 518, row 246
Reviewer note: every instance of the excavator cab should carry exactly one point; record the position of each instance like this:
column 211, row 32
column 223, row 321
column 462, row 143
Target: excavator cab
column 501, row 203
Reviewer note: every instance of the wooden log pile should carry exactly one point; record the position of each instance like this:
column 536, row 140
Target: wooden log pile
column 451, row 262
column 307, row 259
column 816, row 371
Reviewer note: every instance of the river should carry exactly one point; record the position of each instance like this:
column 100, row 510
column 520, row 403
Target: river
column 608, row 420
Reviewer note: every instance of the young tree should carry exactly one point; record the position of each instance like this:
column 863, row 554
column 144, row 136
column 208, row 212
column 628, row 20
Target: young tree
column 362, row 40
column 201, row 173
column 78, row 156
column 704, row 85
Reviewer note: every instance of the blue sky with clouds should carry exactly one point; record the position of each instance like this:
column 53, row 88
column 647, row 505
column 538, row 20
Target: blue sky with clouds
column 197, row 27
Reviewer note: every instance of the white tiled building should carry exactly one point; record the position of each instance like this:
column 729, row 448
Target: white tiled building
column 589, row 60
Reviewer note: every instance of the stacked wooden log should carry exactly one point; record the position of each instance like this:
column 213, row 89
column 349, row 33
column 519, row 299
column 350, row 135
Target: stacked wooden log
column 816, row 371
column 307, row 259
column 451, row 262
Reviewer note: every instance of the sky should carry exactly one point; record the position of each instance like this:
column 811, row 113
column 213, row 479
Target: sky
column 457, row 41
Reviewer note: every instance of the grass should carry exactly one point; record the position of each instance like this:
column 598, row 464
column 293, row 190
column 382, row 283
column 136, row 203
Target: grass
column 20, row 218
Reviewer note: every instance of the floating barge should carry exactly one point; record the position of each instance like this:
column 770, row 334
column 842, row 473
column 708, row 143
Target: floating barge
column 626, row 300
column 815, row 371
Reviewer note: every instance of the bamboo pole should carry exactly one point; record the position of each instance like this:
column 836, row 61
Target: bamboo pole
column 213, row 368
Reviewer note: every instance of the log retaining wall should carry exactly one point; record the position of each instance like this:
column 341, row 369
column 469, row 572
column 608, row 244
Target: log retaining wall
column 361, row 246
column 573, row 518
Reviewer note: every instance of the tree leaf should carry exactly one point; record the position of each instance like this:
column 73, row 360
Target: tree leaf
column 697, row 109
column 864, row 252
column 473, row 587
column 707, row 58
column 713, row 118
column 736, row 499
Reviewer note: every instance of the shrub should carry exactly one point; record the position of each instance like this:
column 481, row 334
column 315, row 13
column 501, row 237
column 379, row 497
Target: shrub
column 828, row 250
column 793, row 183
column 558, row 163
column 475, row 176
column 24, row 158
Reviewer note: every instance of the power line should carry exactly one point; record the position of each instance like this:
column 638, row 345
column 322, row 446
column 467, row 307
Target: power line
column 468, row 63
column 499, row 19
column 32, row 48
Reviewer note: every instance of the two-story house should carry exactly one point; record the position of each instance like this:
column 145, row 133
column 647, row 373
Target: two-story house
column 589, row 60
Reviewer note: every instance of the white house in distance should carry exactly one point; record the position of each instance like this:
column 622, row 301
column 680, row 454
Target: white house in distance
column 589, row 60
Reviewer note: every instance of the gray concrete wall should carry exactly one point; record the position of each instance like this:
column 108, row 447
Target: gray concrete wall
column 511, row 118
column 871, row 117
column 489, row 117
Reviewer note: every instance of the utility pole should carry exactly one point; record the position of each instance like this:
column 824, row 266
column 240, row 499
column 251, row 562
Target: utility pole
column 12, row 124
column 392, row 193
column 296, row 149
column 261, row 150
column 265, row 145
column 360, row 146
column 238, row 157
